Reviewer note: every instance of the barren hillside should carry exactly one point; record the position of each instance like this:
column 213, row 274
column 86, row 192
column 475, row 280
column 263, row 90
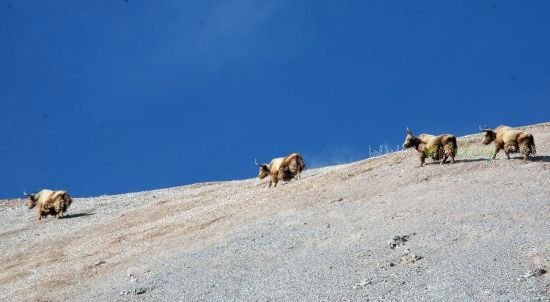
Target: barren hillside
column 475, row 230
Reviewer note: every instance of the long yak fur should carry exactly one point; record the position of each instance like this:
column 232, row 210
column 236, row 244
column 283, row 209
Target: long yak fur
column 48, row 202
column 282, row 168
column 438, row 147
column 510, row 140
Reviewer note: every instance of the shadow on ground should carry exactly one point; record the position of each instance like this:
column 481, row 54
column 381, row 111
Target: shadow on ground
column 77, row 215
column 457, row 161
column 543, row 158
column 473, row 160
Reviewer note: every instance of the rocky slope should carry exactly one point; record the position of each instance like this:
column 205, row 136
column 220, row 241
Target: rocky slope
column 378, row 229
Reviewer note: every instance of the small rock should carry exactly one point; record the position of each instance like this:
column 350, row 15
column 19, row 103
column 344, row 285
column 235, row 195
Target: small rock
column 409, row 258
column 397, row 241
column 535, row 273
column 362, row 284
column 132, row 277
column 100, row 262
column 140, row 291
column 539, row 272
column 337, row 200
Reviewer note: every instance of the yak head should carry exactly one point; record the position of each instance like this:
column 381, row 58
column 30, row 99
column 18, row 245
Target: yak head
column 67, row 201
column 410, row 140
column 31, row 200
column 264, row 170
column 489, row 136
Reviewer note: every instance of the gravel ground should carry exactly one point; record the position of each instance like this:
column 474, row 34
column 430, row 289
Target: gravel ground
column 475, row 230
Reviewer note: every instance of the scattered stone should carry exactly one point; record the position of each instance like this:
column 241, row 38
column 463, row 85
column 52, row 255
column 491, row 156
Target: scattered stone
column 100, row 262
column 409, row 258
column 398, row 241
column 140, row 291
column 539, row 272
column 535, row 273
column 362, row 284
column 132, row 277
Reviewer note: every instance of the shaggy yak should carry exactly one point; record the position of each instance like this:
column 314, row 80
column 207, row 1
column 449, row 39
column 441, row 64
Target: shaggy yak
column 282, row 168
column 512, row 141
column 437, row 147
column 49, row 202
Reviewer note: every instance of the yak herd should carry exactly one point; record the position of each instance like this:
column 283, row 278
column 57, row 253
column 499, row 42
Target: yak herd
column 436, row 147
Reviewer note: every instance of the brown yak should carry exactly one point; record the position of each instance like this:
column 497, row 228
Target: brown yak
column 282, row 168
column 49, row 202
column 511, row 140
column 438, row 147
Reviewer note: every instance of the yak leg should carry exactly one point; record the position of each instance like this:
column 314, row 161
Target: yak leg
column 274, row 179
column 497, row 149
column 450, row 152
column 442, row 154
column 422, row 159
column 525, row 151
column 58, row 211
column 507, row 154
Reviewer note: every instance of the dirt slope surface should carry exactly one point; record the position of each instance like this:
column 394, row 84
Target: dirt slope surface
column 475, row 230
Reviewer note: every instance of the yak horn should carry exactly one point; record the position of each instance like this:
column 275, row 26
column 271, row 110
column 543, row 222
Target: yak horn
column 256, row 162
column 484, row 129
column 28, row 195
column 408, row 131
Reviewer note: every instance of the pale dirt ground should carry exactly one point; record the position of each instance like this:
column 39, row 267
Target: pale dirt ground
column 479, row 225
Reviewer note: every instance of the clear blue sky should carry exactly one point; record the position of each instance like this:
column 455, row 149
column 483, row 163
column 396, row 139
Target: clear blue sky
column 105, row 96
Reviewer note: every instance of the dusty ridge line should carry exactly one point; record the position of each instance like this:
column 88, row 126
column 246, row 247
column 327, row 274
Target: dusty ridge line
column 312, row 172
